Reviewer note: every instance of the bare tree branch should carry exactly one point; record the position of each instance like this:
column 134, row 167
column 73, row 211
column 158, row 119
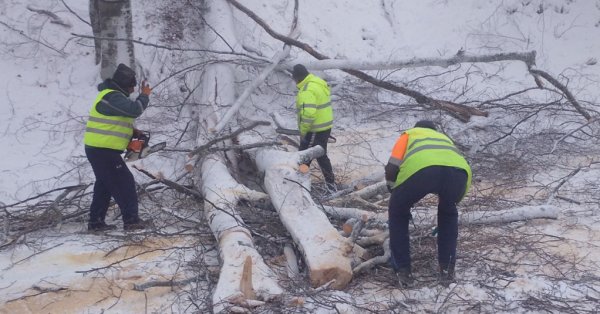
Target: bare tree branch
column 143, row 43
column 459, row 111
column 233, row 134
column 564, row 89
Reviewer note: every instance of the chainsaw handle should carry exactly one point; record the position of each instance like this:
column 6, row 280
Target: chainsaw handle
column 142, row 135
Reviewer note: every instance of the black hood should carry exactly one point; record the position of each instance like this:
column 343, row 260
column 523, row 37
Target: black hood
column 109, row 83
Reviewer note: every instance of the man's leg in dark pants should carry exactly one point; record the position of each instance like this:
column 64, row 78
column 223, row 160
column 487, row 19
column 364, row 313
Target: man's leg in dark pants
column 113, row 174
column 451, row 190
column 100, row 203
column 403, row 198
column 320, row 138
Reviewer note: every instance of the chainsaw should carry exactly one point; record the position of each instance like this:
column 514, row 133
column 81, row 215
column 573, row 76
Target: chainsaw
column 139, row 148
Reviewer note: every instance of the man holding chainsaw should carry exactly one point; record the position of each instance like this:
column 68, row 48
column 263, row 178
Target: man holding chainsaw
column 425, row 161
column 315, row 117
column 108, row 132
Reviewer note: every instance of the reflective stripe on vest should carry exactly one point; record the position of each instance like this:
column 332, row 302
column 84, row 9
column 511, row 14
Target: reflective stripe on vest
column 323, row 118
column 103, row 131
column 427, row 148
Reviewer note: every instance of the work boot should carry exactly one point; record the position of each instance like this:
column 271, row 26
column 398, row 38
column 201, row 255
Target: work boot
column 446, row 275
column 100, row 226
column 138, row 225
column 405, row 279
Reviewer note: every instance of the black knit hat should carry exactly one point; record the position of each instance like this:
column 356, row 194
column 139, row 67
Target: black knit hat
column 299, row 72
column 124, row 76
column 426, row 124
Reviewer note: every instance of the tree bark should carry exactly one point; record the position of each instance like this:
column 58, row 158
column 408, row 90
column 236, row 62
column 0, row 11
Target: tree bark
column 112, row 19
column 325, row 251
column 244, row 276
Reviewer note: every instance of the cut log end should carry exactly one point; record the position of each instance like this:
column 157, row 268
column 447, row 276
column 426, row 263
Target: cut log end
column 347, row 228
column 320, row 277
column 303, row 168
column 246, row 281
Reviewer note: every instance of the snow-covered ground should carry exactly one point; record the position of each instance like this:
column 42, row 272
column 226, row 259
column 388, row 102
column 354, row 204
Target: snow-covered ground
column 48, row 79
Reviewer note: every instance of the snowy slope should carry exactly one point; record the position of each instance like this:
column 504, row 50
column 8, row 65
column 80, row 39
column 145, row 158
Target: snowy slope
column 45, row 96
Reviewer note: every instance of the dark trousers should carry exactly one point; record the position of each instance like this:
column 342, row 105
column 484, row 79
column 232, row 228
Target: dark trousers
column 320, row 138
column 113, row 179
column 449, row 184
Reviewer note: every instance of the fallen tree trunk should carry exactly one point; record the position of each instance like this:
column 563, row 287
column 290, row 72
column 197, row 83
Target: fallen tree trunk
column 244, row 275
column 325, row 251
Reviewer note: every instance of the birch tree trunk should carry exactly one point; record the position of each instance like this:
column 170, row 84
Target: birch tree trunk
column 112, row 19
column 325, row 251
column 244, row 276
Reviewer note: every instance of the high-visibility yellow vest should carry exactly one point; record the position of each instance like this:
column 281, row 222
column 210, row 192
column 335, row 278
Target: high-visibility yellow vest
column 103, row 131
column 426, row 148
column 313, row 105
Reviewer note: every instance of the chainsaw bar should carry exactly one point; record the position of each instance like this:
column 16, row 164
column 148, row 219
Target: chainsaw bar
column 133, row 156
column 153, row 149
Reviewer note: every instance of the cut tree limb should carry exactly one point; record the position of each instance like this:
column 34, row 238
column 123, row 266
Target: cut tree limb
column 291, row 261
column 280, row 56
column 206, row 146
column 250, row 88
column 459, row 111
column 465, row 218
column 469, row 218
column 326, row 64
column 375, row 260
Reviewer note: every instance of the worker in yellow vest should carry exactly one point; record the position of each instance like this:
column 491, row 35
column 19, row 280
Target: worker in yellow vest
column 315, row 117
column 108, row 131
column 425, row 161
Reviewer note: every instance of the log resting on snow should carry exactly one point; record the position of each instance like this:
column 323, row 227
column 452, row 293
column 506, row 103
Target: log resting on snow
column 465, row 218
column 325, row 251
column 382, row 259
column 244, row 275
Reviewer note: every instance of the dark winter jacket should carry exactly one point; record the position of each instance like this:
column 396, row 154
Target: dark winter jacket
column 118, row 103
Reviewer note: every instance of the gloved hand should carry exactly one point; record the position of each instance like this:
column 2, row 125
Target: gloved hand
column 145, row 89
column 137, row 133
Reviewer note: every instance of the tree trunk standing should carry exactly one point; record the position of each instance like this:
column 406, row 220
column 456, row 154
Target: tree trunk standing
column 94, row 20
column 112, row 19
column 245, row 280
